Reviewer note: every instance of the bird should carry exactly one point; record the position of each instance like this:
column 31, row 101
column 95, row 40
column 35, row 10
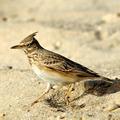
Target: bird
column 53, row 68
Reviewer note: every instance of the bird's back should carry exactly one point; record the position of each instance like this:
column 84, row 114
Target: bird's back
column 60, row 63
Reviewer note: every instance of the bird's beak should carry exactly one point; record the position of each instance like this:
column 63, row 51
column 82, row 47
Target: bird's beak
column 17, row 47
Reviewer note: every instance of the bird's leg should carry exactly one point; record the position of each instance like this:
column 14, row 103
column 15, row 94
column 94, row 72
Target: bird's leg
column 46, row 91
column 67, row 95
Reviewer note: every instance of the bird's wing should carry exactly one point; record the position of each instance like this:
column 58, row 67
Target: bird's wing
column 62, row 64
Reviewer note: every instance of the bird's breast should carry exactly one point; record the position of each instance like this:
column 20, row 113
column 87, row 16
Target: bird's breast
column 50, row 76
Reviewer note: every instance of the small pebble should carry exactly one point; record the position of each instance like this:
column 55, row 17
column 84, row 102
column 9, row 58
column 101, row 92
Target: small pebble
column 61, row 117
column 98, row 34
column 57, row 45
column 10, row 67
column 4, row 115
column 4, row 19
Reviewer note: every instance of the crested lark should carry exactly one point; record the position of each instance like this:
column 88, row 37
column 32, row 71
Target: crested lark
column 52, row 67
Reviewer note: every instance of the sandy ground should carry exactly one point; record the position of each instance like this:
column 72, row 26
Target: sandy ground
column 84, row 31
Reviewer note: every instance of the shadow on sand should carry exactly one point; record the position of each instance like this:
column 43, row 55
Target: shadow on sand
column 95, row 87
column 100, row 88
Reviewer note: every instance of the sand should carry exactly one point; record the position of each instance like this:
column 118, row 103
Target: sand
column 84, row 31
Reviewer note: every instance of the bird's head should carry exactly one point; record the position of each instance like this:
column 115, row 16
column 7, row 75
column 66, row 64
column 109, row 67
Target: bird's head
column 28, row 43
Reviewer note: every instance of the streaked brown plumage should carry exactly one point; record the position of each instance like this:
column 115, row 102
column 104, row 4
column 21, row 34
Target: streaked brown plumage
column 52, row 67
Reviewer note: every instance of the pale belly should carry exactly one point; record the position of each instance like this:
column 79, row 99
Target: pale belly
column 51, row 77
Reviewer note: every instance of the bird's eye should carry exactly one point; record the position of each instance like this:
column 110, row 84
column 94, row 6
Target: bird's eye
column 28, row 45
